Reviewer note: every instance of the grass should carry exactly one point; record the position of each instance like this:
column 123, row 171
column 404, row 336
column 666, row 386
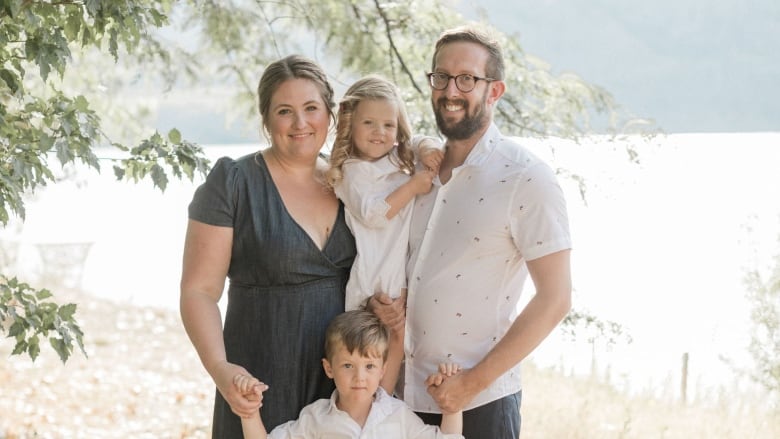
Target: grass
column 559, row 405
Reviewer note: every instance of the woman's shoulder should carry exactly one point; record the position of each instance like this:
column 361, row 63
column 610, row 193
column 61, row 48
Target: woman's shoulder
column 229, row 168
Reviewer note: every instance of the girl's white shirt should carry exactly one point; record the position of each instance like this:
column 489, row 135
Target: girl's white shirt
column 382, row 244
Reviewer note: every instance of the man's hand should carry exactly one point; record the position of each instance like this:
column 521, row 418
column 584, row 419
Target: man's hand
column 454, row 392
column 391, row 312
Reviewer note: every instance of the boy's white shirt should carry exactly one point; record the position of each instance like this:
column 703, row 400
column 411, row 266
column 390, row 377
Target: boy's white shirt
column 389, row 418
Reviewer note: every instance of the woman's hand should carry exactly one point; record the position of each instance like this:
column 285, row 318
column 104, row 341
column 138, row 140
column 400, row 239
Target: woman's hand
column 243, row 405
column 250, row 387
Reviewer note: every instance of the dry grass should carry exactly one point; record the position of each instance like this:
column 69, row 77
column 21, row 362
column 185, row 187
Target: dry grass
column 144, row 380
column 559, row 406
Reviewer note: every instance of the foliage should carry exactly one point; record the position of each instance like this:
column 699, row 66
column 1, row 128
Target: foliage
column 362, row 36
column 764, row 297
column 582, row 324
column 39, row 122
column 26, row 315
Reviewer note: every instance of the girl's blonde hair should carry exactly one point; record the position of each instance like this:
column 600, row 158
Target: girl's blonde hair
column 371, row 87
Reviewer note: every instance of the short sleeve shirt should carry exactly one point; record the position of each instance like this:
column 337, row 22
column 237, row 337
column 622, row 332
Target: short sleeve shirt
column 389, row 418
column 469, row 241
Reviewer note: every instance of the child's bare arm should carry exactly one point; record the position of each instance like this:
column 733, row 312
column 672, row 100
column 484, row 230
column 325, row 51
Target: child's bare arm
column 252, row 389
column 420, row 183
column 451, row 423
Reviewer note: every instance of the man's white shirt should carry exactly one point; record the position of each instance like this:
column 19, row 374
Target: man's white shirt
column 469, row 241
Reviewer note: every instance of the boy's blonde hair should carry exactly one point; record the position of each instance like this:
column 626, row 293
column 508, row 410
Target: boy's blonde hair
column 359, row 330
column 371, row 87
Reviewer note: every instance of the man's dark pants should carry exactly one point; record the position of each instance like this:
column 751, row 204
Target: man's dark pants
column 499, row 419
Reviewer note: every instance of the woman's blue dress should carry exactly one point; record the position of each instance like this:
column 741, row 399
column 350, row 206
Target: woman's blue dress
column 283, row 290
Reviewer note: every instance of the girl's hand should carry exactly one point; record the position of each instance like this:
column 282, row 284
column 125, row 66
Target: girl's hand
column 422, row 181
column 431, row 158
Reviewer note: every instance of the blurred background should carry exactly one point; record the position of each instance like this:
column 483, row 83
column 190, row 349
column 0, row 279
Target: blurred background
column 673, row 190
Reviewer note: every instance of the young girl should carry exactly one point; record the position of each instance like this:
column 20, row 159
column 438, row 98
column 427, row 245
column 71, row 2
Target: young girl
column 372, row 171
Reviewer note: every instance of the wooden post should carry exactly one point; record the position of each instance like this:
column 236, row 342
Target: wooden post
column 684, row 379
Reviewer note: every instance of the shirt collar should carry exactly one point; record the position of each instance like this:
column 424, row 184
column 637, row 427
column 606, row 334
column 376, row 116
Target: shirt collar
column 386, row 164
column 484, row 147
column 332, row 405
column 381, row 399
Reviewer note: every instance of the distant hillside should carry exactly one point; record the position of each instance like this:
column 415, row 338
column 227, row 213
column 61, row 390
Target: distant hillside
column 692, row 65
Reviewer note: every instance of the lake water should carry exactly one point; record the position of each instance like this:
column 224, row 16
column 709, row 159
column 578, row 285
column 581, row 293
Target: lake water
column 660, row 247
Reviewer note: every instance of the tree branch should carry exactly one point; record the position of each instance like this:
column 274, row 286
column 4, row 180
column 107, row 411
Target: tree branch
column 388, row 32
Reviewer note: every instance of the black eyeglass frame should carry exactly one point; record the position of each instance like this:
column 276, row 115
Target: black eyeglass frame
column 455, row 77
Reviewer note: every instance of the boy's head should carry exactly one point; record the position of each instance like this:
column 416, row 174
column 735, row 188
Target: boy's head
column 356, row 345
column 357, row 330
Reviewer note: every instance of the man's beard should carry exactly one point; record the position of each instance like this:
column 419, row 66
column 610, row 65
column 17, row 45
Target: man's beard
column 467, row 127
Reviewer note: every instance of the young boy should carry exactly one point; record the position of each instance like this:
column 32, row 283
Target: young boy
column 356, row 345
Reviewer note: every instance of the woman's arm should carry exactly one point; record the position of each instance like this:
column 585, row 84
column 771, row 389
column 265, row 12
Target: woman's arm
column 207, row 251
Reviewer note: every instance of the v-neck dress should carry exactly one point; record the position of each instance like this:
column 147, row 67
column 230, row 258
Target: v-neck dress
column 283, row 289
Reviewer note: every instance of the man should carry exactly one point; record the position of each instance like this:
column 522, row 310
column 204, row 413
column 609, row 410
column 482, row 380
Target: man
column 495, row 215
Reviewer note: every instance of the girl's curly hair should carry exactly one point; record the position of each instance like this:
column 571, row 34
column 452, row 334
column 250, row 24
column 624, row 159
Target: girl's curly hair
column 371, row 87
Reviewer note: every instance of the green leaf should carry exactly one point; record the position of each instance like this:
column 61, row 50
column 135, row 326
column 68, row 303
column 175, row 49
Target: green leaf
column 81, row 103
column 10, row 79
column 17, row 328
column 60, row 347
column 73, row 25
column 20, row 347
column 66, row 311
column 174, row 136
column 159, row 177
column 45, row 143
column 43, row 294
column 119, row 172
column 33, row 347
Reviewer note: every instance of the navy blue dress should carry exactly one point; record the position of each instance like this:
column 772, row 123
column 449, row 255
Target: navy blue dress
column 283, row 290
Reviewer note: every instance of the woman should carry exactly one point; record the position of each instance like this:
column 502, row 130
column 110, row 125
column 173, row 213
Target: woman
column 268, row 223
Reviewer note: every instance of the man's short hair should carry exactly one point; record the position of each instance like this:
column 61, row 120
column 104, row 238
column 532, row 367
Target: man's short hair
column 473, row 34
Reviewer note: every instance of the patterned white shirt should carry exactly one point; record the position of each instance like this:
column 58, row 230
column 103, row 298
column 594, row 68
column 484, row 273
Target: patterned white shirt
column 380, row 263
column 469, row 241
column 389, row 418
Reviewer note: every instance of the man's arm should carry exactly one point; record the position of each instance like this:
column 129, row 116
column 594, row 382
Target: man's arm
column 551, row 275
